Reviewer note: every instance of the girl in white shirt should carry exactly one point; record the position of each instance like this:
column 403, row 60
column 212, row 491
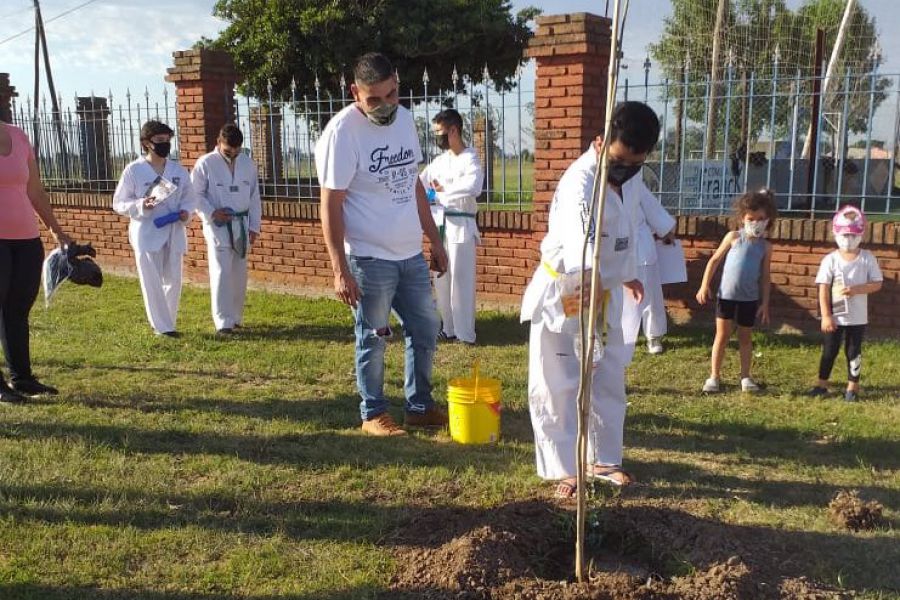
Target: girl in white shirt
column 846, row 277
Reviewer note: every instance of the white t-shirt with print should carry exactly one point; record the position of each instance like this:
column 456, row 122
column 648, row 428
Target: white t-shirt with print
column 378, row 167
column 863, row 269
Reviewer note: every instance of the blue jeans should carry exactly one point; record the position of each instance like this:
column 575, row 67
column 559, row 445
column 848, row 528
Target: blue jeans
column 405, row 287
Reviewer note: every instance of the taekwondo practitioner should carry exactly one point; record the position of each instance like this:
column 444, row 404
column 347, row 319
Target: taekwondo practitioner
column 456, row 177
column 654, row 222
column 227, row 188
column 155, row 193
column 554, row 362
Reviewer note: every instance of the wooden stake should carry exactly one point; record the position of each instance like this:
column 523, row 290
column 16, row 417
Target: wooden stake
column 598, row 204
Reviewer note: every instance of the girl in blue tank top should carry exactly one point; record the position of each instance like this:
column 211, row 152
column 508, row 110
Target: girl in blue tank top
column 744, row 290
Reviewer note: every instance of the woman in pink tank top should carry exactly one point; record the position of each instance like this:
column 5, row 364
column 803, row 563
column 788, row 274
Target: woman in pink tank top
column 21, row 256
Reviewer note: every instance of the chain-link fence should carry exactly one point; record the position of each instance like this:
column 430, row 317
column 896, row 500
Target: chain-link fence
column 758, row 138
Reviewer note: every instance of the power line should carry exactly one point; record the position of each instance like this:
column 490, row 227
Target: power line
column 59, row 16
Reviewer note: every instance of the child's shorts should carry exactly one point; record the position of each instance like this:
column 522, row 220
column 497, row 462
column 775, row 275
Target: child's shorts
column 742, row 311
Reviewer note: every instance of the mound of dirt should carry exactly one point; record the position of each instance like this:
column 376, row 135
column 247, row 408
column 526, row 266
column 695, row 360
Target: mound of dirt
column 524, row 551
column 848, row 510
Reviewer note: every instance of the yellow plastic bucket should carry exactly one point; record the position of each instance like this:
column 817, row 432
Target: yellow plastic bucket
column 474, row 409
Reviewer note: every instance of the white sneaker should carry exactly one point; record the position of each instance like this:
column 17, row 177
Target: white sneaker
column 654, row 345
column 748, row 385
column 711, row 386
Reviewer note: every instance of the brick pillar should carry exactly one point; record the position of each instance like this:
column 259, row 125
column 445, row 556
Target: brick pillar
column 204, row 82
column 93, row 137
column 572, row 53
column 265, row 141
column 483, row 140
column 7, row 93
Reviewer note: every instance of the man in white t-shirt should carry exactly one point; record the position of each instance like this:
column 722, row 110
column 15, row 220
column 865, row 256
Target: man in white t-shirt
column 227, row 187
column 456, row 177
column 374, row 210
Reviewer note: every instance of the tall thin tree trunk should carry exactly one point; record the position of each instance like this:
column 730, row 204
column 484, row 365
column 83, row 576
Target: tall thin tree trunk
column 713, row 109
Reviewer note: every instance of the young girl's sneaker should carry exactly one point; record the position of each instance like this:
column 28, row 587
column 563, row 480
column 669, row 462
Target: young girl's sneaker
column 748, row 385
column 817, row 391
column 711, row 385
column 851, row 396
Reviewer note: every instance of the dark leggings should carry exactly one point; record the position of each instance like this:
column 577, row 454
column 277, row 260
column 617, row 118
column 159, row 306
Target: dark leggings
column 20, row 279
column 831, row 345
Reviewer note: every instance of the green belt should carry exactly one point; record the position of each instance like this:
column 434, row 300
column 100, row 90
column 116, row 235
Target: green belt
column 242, row 249
column 452, row 213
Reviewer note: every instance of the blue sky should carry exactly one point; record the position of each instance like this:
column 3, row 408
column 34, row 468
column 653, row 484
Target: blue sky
column 120, row 44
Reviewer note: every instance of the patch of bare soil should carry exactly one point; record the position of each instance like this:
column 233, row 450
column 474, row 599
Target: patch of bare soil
column 524, row 551
column 848, row 510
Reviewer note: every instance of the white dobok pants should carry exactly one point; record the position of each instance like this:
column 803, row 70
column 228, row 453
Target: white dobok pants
column 455, row 291
column 160, row 276
column 227, row 285
column 651, row 311
column 553, row 374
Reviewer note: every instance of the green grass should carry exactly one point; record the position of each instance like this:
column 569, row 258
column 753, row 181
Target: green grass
column 203, row 468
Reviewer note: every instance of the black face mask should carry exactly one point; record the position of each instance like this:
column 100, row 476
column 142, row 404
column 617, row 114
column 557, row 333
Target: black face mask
column 619, row 173
column 442, row 140
column 161, row 149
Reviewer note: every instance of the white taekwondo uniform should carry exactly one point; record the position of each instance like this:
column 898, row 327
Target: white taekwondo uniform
column 652, row 219
column 158, row 251
column 216, row 186
column 461, row 177
column 554, row 365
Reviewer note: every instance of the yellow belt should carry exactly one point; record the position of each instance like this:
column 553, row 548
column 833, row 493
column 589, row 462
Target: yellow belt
column 553, row 273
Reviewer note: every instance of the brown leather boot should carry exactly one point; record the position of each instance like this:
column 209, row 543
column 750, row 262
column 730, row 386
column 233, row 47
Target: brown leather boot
column 382, row 426
column 431, row 418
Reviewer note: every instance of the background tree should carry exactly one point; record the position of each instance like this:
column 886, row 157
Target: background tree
column 298, row 40
column 755, row 31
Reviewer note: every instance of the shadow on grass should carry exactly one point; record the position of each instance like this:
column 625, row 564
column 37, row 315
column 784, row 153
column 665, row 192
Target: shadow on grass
column 35, row 591
column 167, row 371
column 682, row 480
column 338, row 332
column 338, row 412
column 501, row 329
column 769, row 442
column 325, row 448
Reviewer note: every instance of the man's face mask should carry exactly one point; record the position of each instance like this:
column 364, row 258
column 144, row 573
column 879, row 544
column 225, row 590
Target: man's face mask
column 442, row 140
column 229, row 154
column 619, row 173
column 756, row 228
column 383, row 114
column 161, row 149
column 847, row 241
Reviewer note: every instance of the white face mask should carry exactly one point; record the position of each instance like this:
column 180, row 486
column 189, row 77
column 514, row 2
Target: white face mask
column 756, row 228
column 847, row 241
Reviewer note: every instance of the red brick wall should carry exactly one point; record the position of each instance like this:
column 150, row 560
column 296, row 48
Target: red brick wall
column 291, row 251
column 291, row 255
column 800, row 246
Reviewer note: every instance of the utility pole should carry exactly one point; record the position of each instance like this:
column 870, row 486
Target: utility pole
column 832, row 65
column 40, row 44
column 713, row 111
